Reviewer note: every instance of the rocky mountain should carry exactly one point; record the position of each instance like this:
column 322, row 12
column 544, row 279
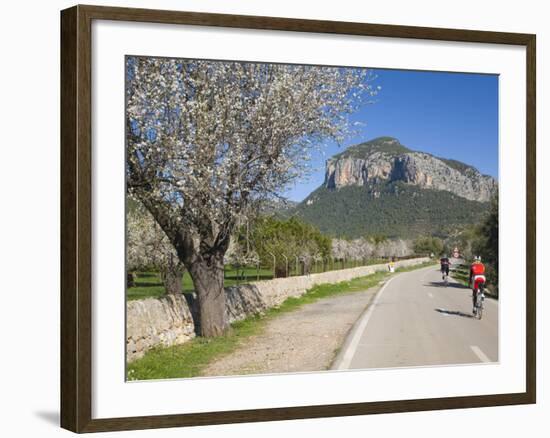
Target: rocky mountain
column 386, row 160
column 382, row 187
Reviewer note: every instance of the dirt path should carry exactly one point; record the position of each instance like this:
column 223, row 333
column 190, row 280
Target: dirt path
column 306, row 339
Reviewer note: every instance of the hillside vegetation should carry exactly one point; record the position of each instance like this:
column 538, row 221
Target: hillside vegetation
column 395, row 209
column 387, row 145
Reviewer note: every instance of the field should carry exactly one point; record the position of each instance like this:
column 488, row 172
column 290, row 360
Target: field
column 149, row 284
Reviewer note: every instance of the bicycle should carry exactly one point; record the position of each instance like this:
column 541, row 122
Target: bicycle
column 480, row 298
column 445, row 275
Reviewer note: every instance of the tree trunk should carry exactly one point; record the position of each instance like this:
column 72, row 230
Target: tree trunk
column 208, row 280
column 306, row 267
column 172, row 279
column 130, row 282
column 280, row 271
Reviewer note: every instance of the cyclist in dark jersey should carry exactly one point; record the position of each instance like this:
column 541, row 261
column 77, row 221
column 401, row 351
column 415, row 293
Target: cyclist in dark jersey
column 445, row 263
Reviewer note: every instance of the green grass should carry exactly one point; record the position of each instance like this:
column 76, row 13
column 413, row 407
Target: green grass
column 189, row 359
column 461, row 274
column 149, row 284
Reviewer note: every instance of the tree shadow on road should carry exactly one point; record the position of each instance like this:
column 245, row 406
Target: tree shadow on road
column 454, row 312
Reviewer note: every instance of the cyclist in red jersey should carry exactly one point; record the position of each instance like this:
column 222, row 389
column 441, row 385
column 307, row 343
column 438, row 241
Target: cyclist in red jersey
column 477, row 275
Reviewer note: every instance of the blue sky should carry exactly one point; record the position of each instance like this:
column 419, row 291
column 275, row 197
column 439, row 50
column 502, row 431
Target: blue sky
column 450, row 115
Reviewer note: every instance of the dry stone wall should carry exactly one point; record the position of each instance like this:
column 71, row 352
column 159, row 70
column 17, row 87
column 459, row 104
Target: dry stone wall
column 157, row 321
column 168, row 320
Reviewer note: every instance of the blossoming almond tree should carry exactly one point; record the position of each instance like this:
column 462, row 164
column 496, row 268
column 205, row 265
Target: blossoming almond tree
column 148, row 247
column 208, row 141
column 362, row 249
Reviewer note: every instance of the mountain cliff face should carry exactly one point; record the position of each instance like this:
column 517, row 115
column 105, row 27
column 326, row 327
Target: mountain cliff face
column 385, row 160
column 382, row 187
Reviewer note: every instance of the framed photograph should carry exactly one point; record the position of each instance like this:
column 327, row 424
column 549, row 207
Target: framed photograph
column 270, row 218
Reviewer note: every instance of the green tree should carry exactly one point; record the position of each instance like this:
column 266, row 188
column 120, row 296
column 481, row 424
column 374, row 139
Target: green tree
column 486, row 245
column 482, row 240
column 428, row 245
column 287, row 241
column 377, row 239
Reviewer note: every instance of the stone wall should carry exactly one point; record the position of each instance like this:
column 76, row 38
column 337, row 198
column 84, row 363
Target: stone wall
column 168, row 320
column 157, row 321
column 256, row 297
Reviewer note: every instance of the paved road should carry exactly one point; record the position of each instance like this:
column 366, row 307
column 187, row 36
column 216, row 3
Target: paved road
column 416, row 321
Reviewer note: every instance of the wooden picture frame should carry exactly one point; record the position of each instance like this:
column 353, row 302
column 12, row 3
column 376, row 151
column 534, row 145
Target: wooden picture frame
column 76, row 217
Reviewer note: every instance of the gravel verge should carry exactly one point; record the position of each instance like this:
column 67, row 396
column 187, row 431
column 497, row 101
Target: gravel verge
column 306, row 339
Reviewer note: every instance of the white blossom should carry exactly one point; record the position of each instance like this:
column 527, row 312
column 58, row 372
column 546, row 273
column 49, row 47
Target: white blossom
column 147, row 246
column 215, row 139
column 363, row 249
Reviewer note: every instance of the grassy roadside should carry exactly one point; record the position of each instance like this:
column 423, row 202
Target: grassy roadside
column 189, row 359
column 460, row 274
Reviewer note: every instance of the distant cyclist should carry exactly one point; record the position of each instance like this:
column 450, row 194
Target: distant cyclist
column 445, row 263
column 477, row 278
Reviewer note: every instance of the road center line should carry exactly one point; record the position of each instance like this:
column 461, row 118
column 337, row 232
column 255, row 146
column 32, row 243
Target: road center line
column 351, row 348
column 480, row 353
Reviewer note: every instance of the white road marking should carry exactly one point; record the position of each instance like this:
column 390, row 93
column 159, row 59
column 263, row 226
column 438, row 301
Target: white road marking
column 430, row 295
column 358, row 333
column 480, row 353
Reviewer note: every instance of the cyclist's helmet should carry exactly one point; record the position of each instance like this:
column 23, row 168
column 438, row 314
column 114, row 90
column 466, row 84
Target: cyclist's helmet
column 477, row 258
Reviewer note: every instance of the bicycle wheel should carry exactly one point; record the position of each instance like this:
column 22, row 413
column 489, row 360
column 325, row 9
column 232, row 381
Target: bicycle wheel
column 479, row 305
